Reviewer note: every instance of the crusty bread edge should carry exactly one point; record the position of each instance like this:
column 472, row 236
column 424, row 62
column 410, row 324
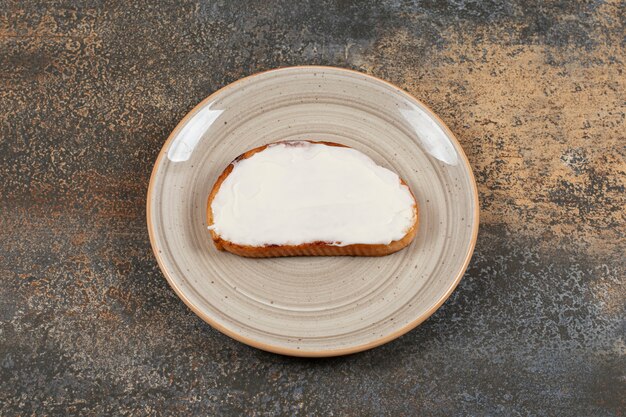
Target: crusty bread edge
column 305, row 249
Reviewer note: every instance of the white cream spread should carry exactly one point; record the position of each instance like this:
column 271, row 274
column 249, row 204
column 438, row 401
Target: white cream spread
column 301, row 192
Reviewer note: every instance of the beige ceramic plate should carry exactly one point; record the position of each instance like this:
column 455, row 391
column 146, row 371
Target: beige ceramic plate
column 320, row 306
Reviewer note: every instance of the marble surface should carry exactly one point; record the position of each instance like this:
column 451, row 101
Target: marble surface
column 535, row 91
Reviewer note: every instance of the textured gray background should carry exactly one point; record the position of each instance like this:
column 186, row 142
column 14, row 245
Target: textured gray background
column 535, row 92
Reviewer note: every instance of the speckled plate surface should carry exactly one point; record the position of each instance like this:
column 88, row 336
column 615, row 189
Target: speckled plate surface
column 313, row 306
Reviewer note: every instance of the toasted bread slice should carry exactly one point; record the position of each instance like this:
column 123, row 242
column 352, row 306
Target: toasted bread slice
column 309, row 248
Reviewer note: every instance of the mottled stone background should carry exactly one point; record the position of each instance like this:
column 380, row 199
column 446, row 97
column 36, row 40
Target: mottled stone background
column 536, row 93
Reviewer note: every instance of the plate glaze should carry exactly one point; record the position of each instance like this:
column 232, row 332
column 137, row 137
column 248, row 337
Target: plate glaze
column 313, row 306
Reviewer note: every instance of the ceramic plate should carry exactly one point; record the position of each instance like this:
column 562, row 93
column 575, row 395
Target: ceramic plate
column 313, row 306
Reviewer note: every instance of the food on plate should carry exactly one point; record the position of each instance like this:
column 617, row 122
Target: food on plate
column 306, row 198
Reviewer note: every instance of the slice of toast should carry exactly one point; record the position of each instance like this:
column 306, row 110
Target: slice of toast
column 306, row 248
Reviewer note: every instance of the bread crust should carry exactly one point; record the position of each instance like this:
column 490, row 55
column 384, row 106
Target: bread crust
column 305, row 249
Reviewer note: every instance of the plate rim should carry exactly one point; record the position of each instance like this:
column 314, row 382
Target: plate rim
column 292, row 351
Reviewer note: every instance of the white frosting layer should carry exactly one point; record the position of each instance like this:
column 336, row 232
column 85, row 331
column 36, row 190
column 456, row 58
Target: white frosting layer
column 301, row 192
